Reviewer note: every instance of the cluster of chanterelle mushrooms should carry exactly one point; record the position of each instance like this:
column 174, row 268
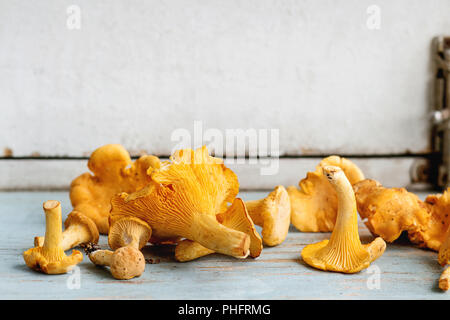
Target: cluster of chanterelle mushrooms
column 191, row 201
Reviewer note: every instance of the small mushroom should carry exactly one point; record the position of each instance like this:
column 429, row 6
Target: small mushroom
column 124, row 263
column 50, row 257
column 129, row 231
column 344, row 251
column 79, row 229
column 314, row 205
column 182, row 200
column 444, row 280
column 273, row 214
column 390, row 211
column 113, row 172
column 237, row 218
column 127, row 236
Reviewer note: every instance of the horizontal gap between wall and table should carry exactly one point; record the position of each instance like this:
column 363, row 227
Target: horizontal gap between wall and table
column 56, row 173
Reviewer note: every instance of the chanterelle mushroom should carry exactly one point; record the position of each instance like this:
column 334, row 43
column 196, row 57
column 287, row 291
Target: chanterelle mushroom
column 273, row 214
column 390, row 211
column 444, row 259
column 79, row 229
column 314, row 205
column 125, row 263
column 444, row 280
column 344, row 251
column 439, row 223
column 183, row 198
column 50, row 258
column 237, row 218
column 114, row 172
column 129, row 231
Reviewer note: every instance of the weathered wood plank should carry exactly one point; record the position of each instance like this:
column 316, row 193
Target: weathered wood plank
column 279, row 273
column 57, row 174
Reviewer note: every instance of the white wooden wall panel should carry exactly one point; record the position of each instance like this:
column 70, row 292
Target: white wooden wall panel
column 137, row 70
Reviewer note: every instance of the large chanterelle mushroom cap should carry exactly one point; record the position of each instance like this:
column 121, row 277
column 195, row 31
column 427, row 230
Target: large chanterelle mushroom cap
column 237, row 218
column 344, row 251
column 314, row 205
column 50, row 258
column 390, row 211
column 113, row 172
column 183, row 199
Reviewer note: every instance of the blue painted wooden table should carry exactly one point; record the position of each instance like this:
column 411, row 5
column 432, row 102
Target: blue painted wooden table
column 404, row 272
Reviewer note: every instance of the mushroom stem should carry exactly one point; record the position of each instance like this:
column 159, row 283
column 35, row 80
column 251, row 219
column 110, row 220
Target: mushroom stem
column 188, row 250
column 53, row 225
column 134, row 243
column 70, row 238
column 74, row 235
column 347, row 218
column 207, row 231
column 235, row 218
column 444, row 280
column 101, row 257
column 78, row 229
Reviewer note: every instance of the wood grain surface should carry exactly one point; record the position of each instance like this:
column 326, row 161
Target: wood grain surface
column 406, row 272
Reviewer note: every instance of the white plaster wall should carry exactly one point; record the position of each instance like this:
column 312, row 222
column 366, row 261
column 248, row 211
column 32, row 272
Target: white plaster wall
column 137, row 70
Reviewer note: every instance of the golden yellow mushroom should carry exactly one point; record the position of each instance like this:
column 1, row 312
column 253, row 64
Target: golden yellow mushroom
column 273, row 214
column 344, row 251
column 314, row 205
column 444, row 280
column 124, row 263
column 50, row 258
column 182, row 200
column 436, row 229
column 390, row 211
column 126, row 237
column 129, row 231
column 113, row 172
